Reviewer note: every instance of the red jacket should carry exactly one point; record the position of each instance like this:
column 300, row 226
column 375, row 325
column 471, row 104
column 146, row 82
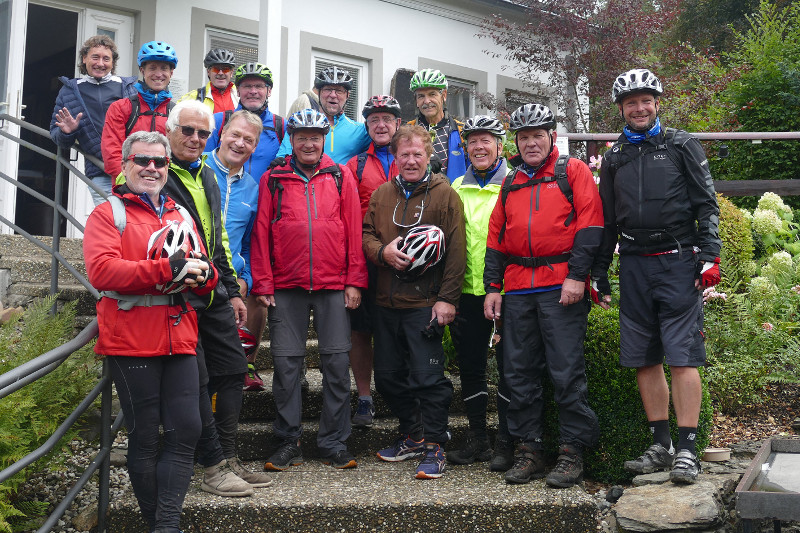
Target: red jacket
column 372, row 177
column 114, row 130
column 118, row 263
column 314, row 242
column 534, row 219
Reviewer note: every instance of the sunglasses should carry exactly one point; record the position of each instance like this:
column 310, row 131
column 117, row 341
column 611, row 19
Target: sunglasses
column 221, row 70
column 159, row 161
column 188, row 131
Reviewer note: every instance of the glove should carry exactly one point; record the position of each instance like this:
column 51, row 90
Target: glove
column 436, row 165
column 277, row 162
column 708, row 272
column 200, row 256
column 179, row 266
column 598, row 288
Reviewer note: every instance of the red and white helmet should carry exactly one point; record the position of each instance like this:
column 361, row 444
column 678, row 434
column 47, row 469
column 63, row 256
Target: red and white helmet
column 425, row 245
column 168, row 240
column 248, row 340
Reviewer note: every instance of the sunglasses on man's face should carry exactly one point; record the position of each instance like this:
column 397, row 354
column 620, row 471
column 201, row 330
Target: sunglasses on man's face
column 159, row 161
column 188, row 131
column 221, row 70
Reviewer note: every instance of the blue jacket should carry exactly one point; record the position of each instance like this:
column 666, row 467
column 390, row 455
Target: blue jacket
column 87, row 134
column 346, row 139
column 265, row 151
column 239, row 196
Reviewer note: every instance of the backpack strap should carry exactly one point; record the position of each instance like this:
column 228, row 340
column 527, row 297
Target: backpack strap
column 336, row 171
column 274, row 184
column 563, row 184
column 136, row 112
column 118, row 210
column 278, row 122
column 361, row 162
column 226, row 116
column 201, row 94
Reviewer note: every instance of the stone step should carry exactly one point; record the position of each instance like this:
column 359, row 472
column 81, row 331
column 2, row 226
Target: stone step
column 17, row 245
column 256, row 441
column 378, row 496
column 37, row 269
column 23, row 293
column 260, row 405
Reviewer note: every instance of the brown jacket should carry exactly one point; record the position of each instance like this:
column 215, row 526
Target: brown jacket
column 443, row 208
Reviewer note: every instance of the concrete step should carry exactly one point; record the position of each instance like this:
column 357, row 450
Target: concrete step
column 260, row 406
column 256, row 441
column 17, row 245
column 37, row 269
column 23, row 293
column 378, row 496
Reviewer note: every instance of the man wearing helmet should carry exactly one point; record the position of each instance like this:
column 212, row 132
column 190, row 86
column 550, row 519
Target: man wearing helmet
column 543, row 234
column 346, row 138
column 145, row 111
column 81, row 105
column 658, row 195
column 219, row 94
column 414, row 233
column 223, row 364
column 254, row 82
column 309, row 258
column 372, row 169
column 470, row 331
column 429, row 87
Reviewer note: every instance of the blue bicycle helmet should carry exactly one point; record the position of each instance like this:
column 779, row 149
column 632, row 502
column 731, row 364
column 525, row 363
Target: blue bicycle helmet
column 157, row 51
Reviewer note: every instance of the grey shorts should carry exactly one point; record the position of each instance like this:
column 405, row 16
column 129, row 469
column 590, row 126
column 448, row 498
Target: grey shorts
column 288, row 322
column 661, row 312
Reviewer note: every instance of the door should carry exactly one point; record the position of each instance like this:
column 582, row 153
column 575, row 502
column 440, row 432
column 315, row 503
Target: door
column 12, row 52
column 120, row 28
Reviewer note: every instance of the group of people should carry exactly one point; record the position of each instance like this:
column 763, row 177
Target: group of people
column 224, row 217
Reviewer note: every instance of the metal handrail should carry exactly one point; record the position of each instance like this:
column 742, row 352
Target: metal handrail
column 704, row 136
column 42, row 365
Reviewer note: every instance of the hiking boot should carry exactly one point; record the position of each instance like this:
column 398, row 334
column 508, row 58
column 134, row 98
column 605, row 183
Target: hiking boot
column 340, row 459
column 432, row 464
column 252, row 381
column 221, row 480
column 528, row 464
column 503, row 455
column 656, row 457
column 289, row 454
column 364, row 414
column 476, row 449
column 403, row 448
column 685, row 468
column 569, row 467
column 257, row 480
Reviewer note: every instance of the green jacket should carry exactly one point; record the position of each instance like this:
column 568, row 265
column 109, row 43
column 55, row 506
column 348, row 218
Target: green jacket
column 478, row 205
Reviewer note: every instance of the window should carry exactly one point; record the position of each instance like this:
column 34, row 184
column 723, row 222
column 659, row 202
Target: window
column 243, row 46
column 357, row 70
column 461, row 98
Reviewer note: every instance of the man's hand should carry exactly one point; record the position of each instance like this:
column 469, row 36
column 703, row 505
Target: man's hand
column 492, row 304
column 708, row 274
column 352, row 297
column 239, row 311
column 242, row 286
column 266, row 300
column 572, row 291
column 66, row 121
column 393, row 257
column 443, row 312
column 277, row 162
column 601, row 292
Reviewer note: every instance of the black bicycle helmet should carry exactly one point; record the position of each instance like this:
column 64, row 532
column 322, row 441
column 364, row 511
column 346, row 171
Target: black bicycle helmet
column 219, row 56
column 532, row 116
column 333, row 76
column 253, row 70
column 382, row 103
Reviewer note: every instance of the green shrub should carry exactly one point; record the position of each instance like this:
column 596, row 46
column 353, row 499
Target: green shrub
column 29, row 416
column 614, row 396
column 737, row 244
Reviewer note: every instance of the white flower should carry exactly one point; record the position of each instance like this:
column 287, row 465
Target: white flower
column 773, row 202
column 766, row 221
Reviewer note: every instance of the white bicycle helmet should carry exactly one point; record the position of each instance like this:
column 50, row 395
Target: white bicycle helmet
column 638, row 79
column 428, row 77
column 168, row 240
column 425, row 245
column 532, row 116
column 308, row 119
column 483, row 123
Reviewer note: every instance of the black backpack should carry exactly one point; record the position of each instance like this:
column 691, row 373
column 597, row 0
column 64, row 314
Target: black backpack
column 670, row 143
column 275, row 183
column 136, row 113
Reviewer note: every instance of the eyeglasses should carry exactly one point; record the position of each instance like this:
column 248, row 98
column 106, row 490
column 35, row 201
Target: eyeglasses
column 159, row 161
column 419, row 216
column 217, row 69
column 253, row 86
column 338, row 90
column 378, row 120
column 188, row 131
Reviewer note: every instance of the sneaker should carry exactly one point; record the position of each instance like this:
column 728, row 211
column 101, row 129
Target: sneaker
column 569, row 467
column 364, row 414
column 221, row 480
column 289, row 454
column 685, row 468
column 403, row 448
column 503, row 456
column 257, row 480
column 340, row 459
column 528, row 464
column 476, row 449
column 656, row 457
column 432, row 464
column 252, row 381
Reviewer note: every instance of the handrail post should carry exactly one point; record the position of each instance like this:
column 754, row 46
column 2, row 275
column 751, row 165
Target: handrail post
column 105, row 444
column 56, row 227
